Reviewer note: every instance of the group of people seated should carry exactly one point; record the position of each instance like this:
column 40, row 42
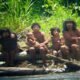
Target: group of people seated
column 66, row 45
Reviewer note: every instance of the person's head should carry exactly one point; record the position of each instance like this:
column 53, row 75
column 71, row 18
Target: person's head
column 30, row 35
column 6, row 33
column 69, row 25
column 35, row 27
column 55, row 31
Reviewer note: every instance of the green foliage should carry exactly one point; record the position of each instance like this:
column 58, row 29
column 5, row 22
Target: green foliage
column 19, row 14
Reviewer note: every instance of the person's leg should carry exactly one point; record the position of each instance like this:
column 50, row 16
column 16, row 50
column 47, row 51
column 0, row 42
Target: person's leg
column 32, row 53
column 65, row 52
column 59, row 54
column 43, row 54
column 11, row 58
column 12, row 55
column 75, row 51
column 54, row 53
column 7, row 58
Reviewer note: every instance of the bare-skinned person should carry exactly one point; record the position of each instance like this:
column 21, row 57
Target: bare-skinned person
column 31, row 41
column 9, row 46
column 72, row 38
column 37, row 42
column 58, row 44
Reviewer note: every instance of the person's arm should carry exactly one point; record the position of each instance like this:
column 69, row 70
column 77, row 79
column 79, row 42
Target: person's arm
column 73, row 39
column 77, row 37
column 78, row 33
column 14, row 36
column 62, row 41
column 32, row 41
column 45, row 40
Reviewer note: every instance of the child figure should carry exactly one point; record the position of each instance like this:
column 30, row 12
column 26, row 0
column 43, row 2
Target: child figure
column 72, row 38
column 58, row 44
column 36, row 41
column 30, row 39
column 9, row 46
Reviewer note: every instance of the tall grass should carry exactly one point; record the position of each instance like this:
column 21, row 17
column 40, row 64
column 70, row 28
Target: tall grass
column 19, row 14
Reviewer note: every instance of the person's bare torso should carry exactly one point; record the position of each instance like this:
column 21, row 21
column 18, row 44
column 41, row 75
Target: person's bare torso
column 55, row 43
column 39, row 37
column 69, row 37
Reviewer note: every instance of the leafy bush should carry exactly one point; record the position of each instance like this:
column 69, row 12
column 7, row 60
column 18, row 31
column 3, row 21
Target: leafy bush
column 19, row 14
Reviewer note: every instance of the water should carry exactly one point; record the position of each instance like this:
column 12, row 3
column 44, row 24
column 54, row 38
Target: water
column 58, row 76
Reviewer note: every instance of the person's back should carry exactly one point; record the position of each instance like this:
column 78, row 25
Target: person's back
column 10, row 43
column 9, row 46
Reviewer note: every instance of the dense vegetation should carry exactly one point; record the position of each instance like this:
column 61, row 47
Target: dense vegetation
column 19, row 14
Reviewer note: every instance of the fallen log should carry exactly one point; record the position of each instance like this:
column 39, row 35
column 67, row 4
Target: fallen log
column 61, row 60
column 15, row 71
column 10, row 71
column 75, row 65
column 71, row 65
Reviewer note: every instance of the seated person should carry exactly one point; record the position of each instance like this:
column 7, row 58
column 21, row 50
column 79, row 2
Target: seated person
column 8, row 41
column 31, row 40
column 58, row 44
column 72, row 38
column 0, row 39
column 36, row 42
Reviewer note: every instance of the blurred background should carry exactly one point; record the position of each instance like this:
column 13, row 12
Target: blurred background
column 20, row 14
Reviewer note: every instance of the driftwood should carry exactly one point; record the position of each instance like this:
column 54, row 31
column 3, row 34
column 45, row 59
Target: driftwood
column 10, row 71
column 61, row 60
column 66, row 61
column 14, row 71
column 73, row 65
column 25, row 56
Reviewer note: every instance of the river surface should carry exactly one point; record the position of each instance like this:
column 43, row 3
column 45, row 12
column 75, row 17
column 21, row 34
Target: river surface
column 58, row 76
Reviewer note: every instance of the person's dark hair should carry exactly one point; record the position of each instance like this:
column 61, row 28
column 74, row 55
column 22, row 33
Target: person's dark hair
column 33, row 25
column 1, row 31
column 69, row 21
column 54, row 29
column 5, row 30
